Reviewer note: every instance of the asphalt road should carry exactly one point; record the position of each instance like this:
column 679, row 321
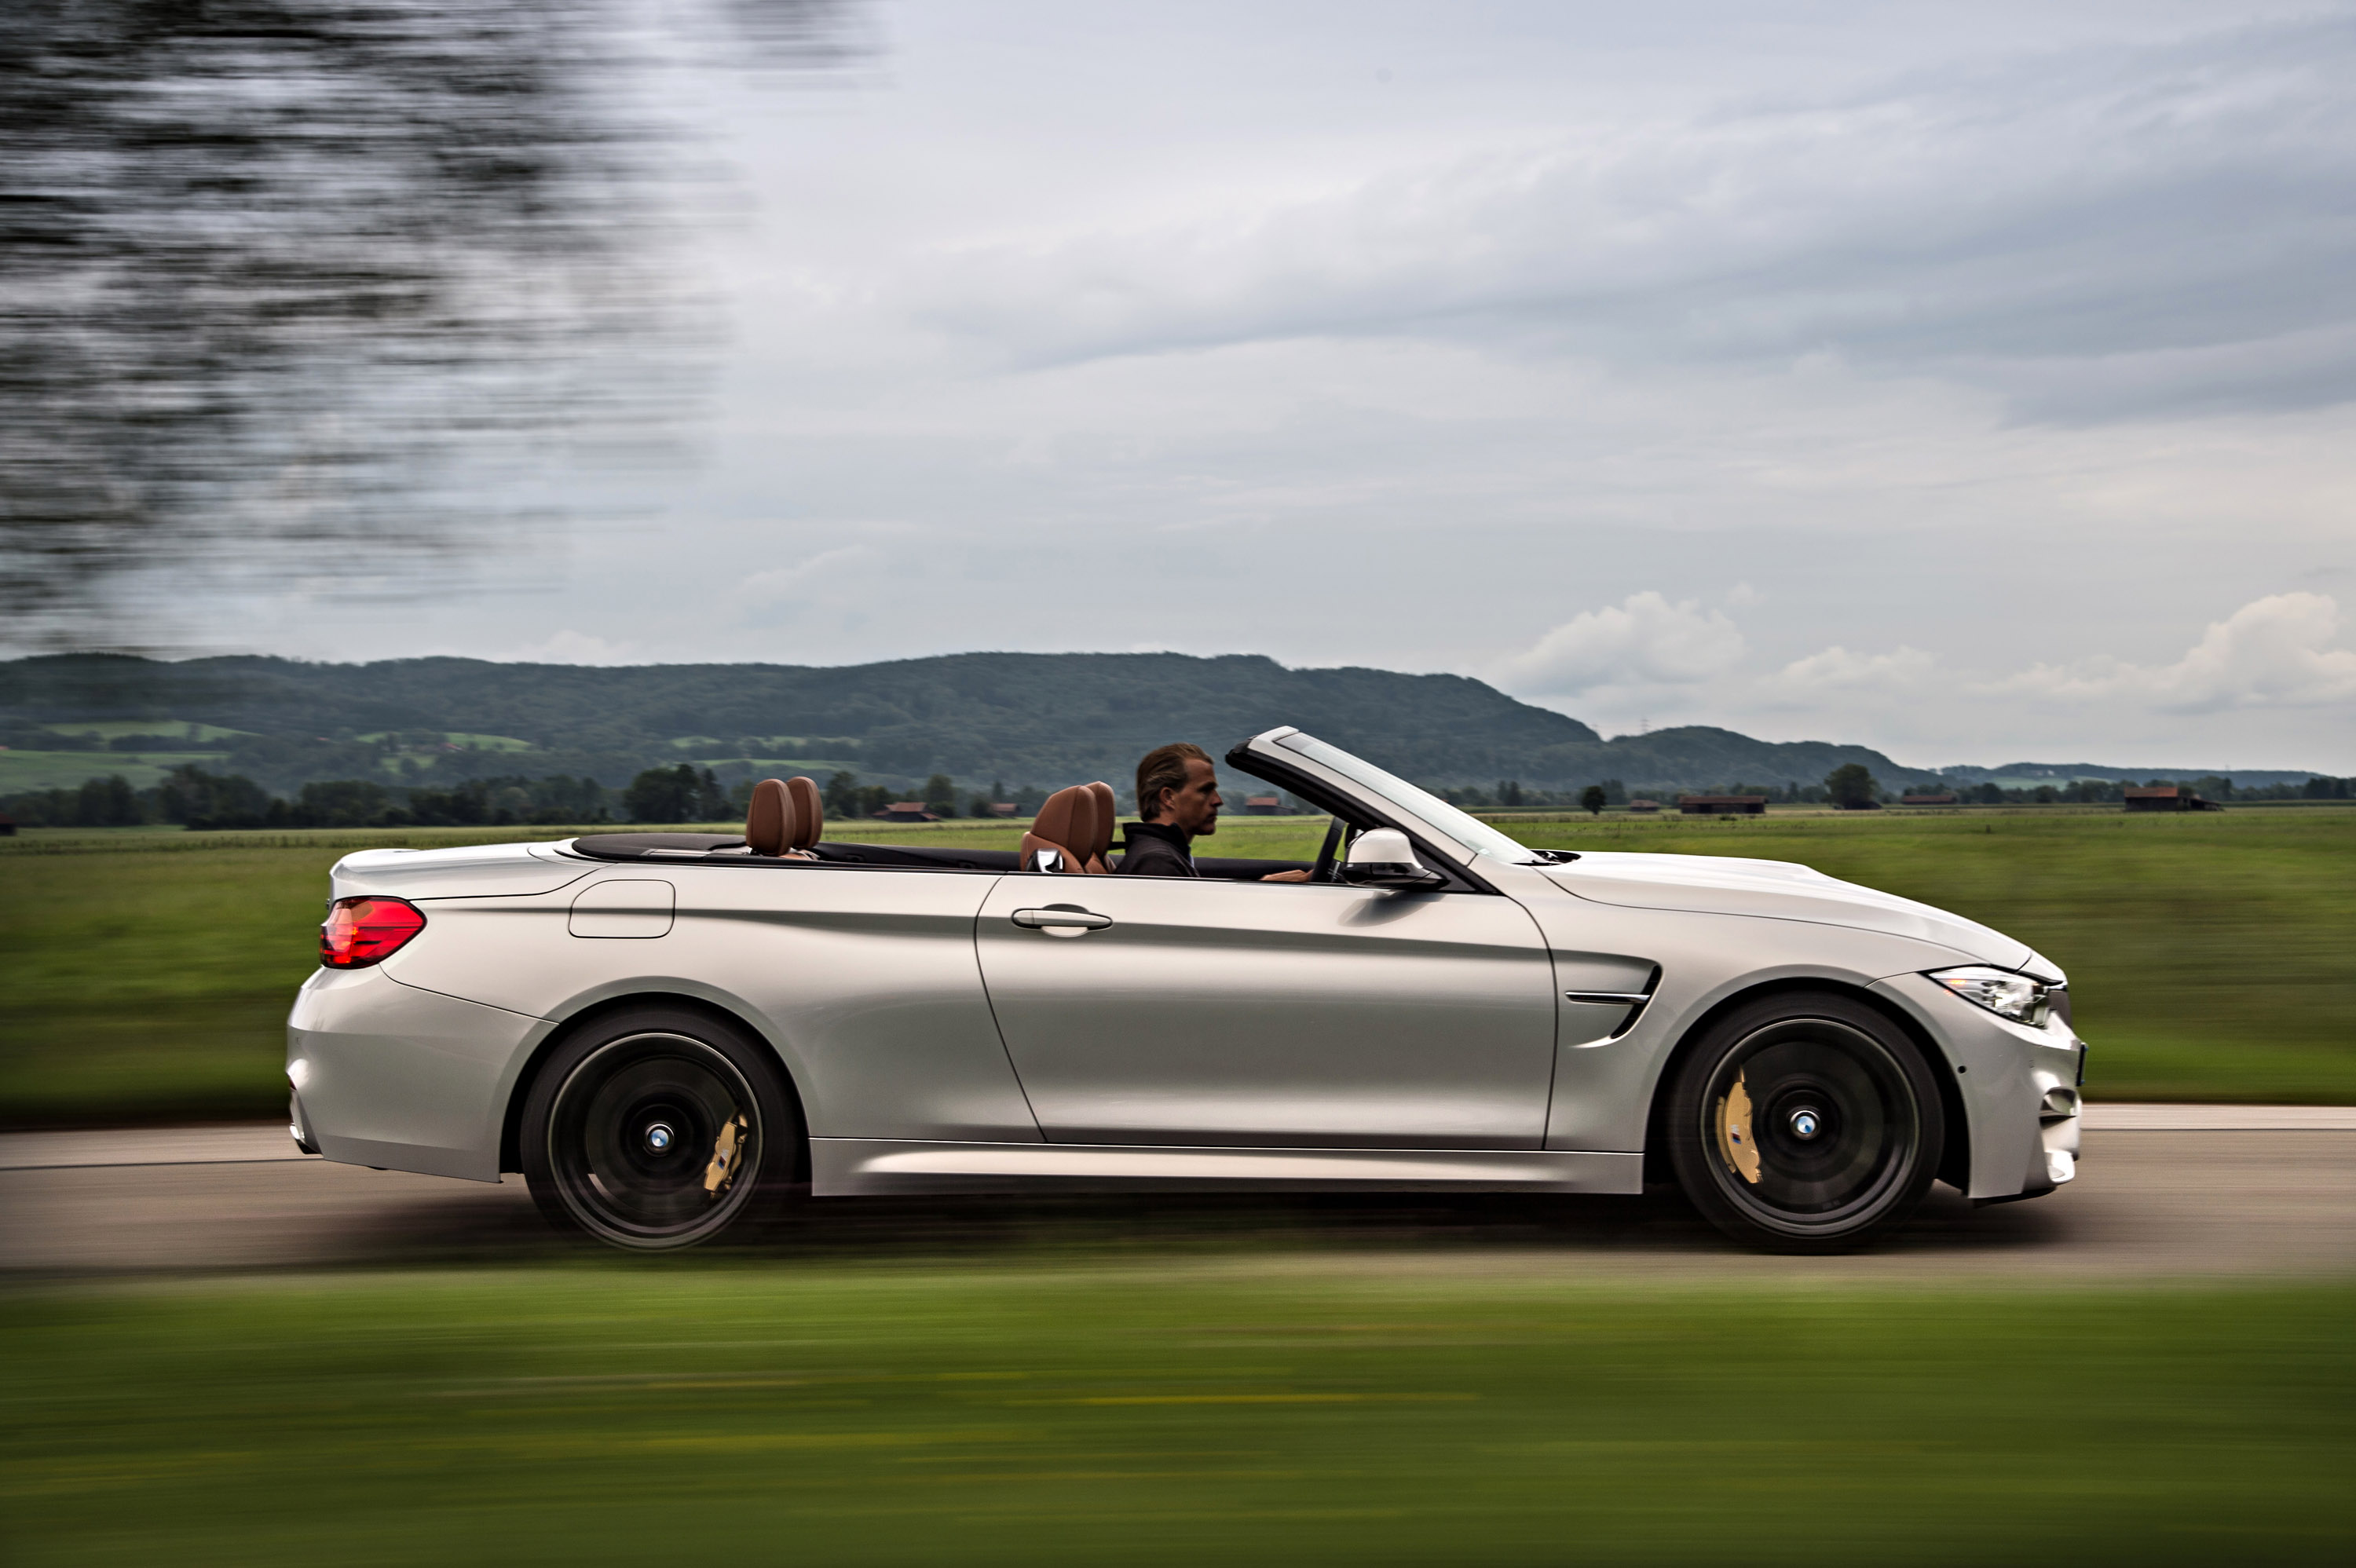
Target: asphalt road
column 2163, row 1192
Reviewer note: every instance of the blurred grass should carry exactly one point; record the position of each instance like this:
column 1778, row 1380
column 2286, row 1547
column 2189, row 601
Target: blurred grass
column 2211, row 956
column 702, row 1411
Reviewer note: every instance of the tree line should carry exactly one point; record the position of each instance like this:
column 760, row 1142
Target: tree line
column 191, row 796
column 188, row 795
column 2210, row 786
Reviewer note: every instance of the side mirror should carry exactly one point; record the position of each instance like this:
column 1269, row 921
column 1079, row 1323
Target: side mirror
column 1382, row 858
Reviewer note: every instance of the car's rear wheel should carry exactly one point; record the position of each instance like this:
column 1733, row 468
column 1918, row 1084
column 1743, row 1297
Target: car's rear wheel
column 659, row 1128
column 1804, row 1124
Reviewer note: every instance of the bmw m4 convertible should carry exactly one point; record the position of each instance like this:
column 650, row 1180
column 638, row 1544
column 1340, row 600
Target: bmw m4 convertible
column 667, row 1033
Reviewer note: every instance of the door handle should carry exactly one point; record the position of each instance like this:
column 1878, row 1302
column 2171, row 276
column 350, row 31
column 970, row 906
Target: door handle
column 1061, row 920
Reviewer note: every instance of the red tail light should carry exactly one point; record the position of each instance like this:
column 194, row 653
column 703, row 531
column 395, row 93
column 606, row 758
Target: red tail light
column 360, row 931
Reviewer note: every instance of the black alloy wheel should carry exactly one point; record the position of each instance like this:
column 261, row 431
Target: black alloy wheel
column 1805, row 1124
column 655, row 1128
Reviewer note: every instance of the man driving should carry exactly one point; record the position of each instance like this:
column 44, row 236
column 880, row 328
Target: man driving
column 1178, row 798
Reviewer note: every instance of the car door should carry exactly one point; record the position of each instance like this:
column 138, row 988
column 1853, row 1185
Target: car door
column 1165, row 1010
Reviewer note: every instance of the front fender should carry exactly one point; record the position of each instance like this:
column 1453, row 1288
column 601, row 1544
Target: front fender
column 1604, row 1090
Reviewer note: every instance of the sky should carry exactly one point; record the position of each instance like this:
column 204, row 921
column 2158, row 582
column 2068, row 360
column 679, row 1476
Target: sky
column 1974, row 382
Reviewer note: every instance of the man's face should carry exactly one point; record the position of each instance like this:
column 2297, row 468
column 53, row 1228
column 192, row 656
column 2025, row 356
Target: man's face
column 1194, row 810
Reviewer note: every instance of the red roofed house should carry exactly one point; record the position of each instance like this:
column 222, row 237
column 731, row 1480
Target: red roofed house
column 2166, row 797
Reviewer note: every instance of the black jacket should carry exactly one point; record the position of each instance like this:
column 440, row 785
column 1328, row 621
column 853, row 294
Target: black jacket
column 1157, row 849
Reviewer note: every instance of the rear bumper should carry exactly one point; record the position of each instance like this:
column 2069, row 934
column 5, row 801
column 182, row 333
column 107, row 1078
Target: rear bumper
column 387, row 1075
column 2017, row 1087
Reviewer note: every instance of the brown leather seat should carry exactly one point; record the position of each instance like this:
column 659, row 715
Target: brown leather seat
column 1067, row 824
column 786, row 818
column 810, row 811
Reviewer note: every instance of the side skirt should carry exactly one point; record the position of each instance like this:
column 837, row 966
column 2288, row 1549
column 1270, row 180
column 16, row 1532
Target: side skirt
column 843, row 1168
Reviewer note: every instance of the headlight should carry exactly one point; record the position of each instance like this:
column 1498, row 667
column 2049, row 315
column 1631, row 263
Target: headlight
column 2000, row 991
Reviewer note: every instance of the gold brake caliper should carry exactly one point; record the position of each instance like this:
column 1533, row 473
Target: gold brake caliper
column 727, row 1154
column 1734, row 1140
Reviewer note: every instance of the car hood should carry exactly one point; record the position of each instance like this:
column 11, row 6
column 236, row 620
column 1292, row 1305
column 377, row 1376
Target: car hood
column 1782, row 889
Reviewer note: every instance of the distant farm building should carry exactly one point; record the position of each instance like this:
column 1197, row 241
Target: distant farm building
column 1644, row 807
column 1003, row 808
column 2166, row 797
column 1944, row 799
column 1722, row 805
column 1264, row 805
column 906, row 811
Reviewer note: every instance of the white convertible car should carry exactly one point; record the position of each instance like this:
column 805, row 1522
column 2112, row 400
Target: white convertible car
column 667, row 1032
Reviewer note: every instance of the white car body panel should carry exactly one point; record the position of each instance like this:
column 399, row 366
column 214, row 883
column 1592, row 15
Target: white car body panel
column 1227, row 1012
column 1775, row 890
column 856, row 1167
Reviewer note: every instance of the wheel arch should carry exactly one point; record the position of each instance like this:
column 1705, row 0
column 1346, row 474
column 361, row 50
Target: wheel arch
column 1956, row 1156
column 512, row 1117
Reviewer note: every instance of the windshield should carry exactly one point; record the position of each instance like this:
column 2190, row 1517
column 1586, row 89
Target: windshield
column 1470, row 831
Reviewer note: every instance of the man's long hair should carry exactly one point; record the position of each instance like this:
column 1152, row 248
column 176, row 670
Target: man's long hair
column 1164, row 768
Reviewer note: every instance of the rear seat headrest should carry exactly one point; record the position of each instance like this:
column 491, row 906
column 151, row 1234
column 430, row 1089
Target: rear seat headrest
column 770, row 825
column 810, row 811
column 1067, row 820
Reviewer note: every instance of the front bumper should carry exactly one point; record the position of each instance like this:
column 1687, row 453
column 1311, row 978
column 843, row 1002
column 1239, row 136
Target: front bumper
column 2018, row 1087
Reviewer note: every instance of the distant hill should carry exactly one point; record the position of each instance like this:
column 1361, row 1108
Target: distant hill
column 2014, row 775
column 1039, row 719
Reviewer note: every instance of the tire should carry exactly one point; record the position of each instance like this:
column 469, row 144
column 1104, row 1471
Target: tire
column 623, row 1130
column 1842, row 1133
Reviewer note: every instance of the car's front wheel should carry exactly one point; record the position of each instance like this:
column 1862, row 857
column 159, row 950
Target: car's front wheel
column 655, row 1128
column 1804, row 1124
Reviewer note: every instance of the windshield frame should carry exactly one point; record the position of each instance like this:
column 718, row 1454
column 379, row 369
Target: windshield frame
column 1467, row 832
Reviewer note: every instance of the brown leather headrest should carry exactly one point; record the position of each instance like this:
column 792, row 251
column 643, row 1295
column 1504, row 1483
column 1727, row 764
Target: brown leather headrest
column 769, row 823
column 1101, row 840
column 1067, row 820
column 810, row 811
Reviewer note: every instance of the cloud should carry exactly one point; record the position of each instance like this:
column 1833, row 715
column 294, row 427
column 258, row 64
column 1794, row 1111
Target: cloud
column 569, row 646
column 2275, row 652
column 1650, row 657
column 1646, row 641
column 2093, row 232
column 1835, row 673
column 783, row 583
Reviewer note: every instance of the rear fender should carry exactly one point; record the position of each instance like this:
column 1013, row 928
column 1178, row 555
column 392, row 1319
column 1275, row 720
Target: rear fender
column 594, row 1009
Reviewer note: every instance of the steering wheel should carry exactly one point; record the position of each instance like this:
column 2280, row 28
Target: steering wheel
column 1329, row 857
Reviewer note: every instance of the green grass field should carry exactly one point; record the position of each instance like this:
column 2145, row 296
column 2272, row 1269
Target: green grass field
column 2211, row 956
column 706, row 1409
